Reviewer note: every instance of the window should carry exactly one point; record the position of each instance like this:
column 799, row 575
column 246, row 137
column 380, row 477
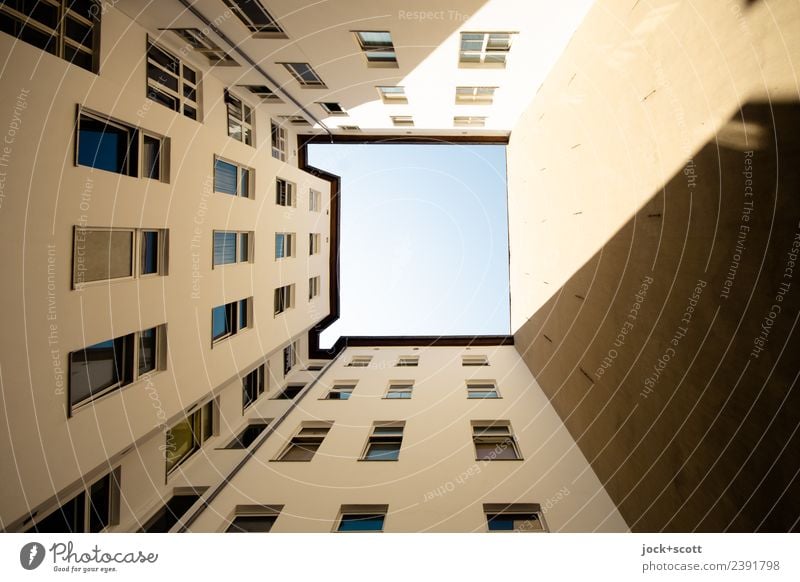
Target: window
column 475, row 95
column 170, row 513
column 384, row 442
column 155, row 157
column 69, row 30
column 332, row 108
column 92, row 510
column 304, row 74
column 248, row 435
column 402, row 120
column 484, row 48
column 315, row 367
column 290, row 392
column 200, row 42
column 188, row 436
column 256, row 18
column 313, row 287
column 314, row 241
column 105, row 144
column 359, row 361
column 284, row 298
column 494, row 441
column 393, row 95
column 254, row 518
column 104, row 367
column 253, row 386
column 378, row 48
column 104, row 254
column 231, row 247
column 284, row 245
column 229, row 319
column 481, row 389
column 314, row 200
column 295, row 119
column 341, row 391
column 284, row 192
column 233, row 179
column 289, row 357
column 518, row 517
column 349, row 128
column 474, row 361
column 278, row 141
column 240, row 119
column 171, row 82
column 305, row 443
column 469, row 121
column 399, row 390
column 262, row 91
column 361, row 518
column 407, row 362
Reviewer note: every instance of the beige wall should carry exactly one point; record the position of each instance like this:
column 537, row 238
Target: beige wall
column 436, row 485
column 46, row 195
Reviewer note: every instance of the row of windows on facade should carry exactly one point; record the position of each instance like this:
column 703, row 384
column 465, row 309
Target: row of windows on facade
column 413, row 361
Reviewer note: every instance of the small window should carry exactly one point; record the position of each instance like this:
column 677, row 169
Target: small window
column 171, row 82
column 240, row 119
column 253, row 386
column 248, row 435
column 284, row 192
column 399, row 390
column 289, row 358
column 92, row 510
column 304, row 74
column 233, row 179
column 189, row 435
column 231, row 247
column 378, row 48
column 494, row 441
column 314, row 200
column 106, row 144
column 340, row 392
column 402, row 120
column 278, row 141
column 284, row 245
column 263, row 91
column 104, row 254
column 361, row 518
column 474, row 95
column 254, row 518
column 284, row 298
column 384, row 442
column 482, row 389
column 393, row 95
column 155, row 157
column 313, row 287
column 305, row 443
column 229, row 319
column 315, row 367
column 469, row 121
column 468, row 361
column 332, row 108
column 256, row 18
column 359, row 361
column 514, row 517
column 314, row 242
column 349, row 128
column 290, row 392
column 484, row 48
column 170, row 513
column 295, row 120
column 202, row 44
column 407, row 362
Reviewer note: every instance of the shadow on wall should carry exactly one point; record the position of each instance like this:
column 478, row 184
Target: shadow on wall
column 672, row 355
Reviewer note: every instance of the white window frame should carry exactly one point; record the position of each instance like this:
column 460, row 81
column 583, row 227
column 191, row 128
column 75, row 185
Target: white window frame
column 278, row 140
column 392, row 97
column 181, row 100
column 482, row 386
column 317, row 83
column 246, row 111
column 240, row 235
column 486, row 51
column 314, row 243
column 499, row 432
column 289, row 189
column 289, row 245
column 475, row 95
column 399, row 390
column 286, row 298
column 313, row 287
column 314, row 200
column 359, row 362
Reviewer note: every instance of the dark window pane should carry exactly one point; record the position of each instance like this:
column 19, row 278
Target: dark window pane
column 301, row 452
column 225, row 177
column 244, row 246
column 79, row 32
column 361, row 522
column 151, row 152
column 170, row 513
column 251, row 523
column 104, row 146
column 224, row 248
column 100, row 505
column 69, row 518
column 149, row 252
column 383, row 452
column 162, row 77
column 147, row 350
column 99, row 367
column 190, row 112
column 290, row 392
column 190, row 75
column 190, row 92
column 221, row 324
column 247, row 436
column 243, row 314
column 245, row 186
column 168, row 62
column 163, row 98
column 86, row 8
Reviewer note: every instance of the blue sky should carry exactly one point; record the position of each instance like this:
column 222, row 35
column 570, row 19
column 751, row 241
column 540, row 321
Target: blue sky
column 424, row 239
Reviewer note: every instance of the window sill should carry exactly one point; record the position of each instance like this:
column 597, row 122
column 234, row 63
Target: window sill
column 72, row 410
column 493, row 460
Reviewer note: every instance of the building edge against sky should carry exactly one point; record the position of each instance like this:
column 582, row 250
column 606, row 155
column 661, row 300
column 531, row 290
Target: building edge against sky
column 216, row 382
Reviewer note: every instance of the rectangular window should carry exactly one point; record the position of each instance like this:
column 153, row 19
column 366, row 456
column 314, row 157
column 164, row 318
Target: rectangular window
column 313, row 287
column 477, row 389
column 361, row 518
column 233, row 179
column 289, row 357
column 171, row 82
column 290, row 392
column 230, row 319
column 304, row 74
column 314, row 200
column 384, row 442
column 202, row 44
column 393, row 95
column 92, row 510
column 248, row 435
column 284, row 245
column 341, row 391
column 468, row 361
column 474, row 95
column 485, row 48
column 469, row 121
column 314, row 242
column 359, row 361
column 253, row 386
column 407, row 362
column 378, row 48
column 332, row 108
column 402, row 120
column 64, row 28
column 284, row 298
column 105, row 144
column 188, row 436
column 169, row 514
column 104, row 367
column 284, row 192
column 240, row 119
column 494, row 441
column 263, row 91
column 278, row 141
column 399, row 390
column 305, row 443
column 514, row 517
column 104, row 254
column 254, row 518
column 155, row 157
column 256, row 18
